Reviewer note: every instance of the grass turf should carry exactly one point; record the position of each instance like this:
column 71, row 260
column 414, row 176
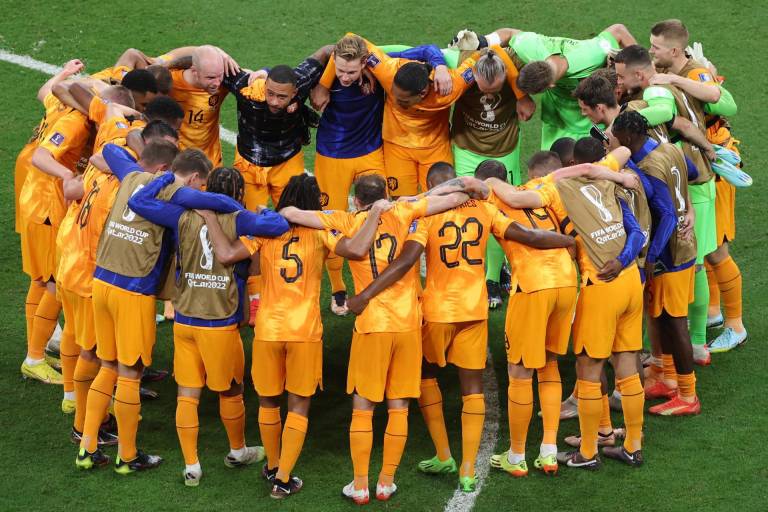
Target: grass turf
column 711, row 461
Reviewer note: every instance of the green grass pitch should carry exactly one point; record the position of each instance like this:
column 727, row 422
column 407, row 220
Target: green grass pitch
column 710, row 462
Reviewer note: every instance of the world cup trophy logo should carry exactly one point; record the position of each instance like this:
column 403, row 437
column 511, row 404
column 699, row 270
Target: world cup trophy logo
column 128, row 214
column 206, row 260
column 679, row 196
column 594, row 196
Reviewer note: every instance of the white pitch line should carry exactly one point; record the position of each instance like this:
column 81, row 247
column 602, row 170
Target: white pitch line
column 28, row 62
column 463, row 501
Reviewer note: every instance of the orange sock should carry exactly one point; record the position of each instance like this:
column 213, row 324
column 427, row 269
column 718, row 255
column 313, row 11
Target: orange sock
column 729, row 281
column 69, row 351
column 270, row 427
column 668, row 366
column 99, row 397
column 519, row 412
column 334, row 264
column 431, row 405
column 360, row 444
column 294, row 433
column 472, row 418
column 85, row 371
column 187, row 427
column 232, row 413
column 605, row 416
column 632, row 403
column 550, row 396
column 590, row 409
column 395, row 437
column 714, row 290
column 127, row 410
column 687, row 385
column 34, row 294
column 46, row 316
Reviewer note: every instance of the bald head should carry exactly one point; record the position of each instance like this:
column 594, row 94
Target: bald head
column 207, row 68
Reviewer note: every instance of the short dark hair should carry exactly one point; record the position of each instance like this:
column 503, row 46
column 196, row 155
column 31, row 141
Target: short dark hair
column 596, row 90
column 140, row 80
column 163, row 78
column 588, row 150
column 440, row 172
column 609, row 74
column 634, row 56
column 370, row 188
column 164, row 108
column 673, row 30
column 282, row 74
column 227, row 181
column 535, row 77
column 563, row 148
column 413, row 77
column 491, row 169
column 158, row 152
column 547, row 160
column 302, row 192
column 157, row 129
column 192, row 161
column 631, row 122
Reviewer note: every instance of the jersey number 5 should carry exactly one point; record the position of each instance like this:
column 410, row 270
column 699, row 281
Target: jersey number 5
column 459, row 242
column 287, row 255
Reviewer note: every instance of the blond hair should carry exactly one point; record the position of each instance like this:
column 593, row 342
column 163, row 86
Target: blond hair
column 673, row 31
column 350, row 48
column 490, row 66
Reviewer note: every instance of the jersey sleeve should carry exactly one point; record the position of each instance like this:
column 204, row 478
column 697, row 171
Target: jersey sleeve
column 97, row 110
column 661, row 106
column 418, row 231
column 329, row 73
column 512, row 71
column 382, row 65
column 336, row 220
column 308, row 74
column 425, row 53
column 264, row 223
column 145, row 203
column 548, row 193
column 635, row 238
column 412, row 209
column 68, row 132
column 499, row 221
column 660, row 203
column 251, row 244
column 530, row 47
column 610, row 162
column 198, row 200
column 329, row 239
column 257, row 91
column 235, row 83
column 120, row 161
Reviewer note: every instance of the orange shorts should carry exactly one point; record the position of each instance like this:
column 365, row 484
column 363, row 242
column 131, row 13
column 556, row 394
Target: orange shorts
column 78, row 312
column 292, row 366
column 207, row 356
column 385, row 364
column 672, row 292
column 725, row 211
column 23, row 162
column 38, row 251
column 463, row 344
column 537, row 323
column 609, row 316
column 125, row 324
column 407, row 168
column 336, row 175
column 264, row 183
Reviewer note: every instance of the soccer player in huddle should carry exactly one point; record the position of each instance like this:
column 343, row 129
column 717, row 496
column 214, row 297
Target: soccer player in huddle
column 385, row 357
column 209, row 308
column 553, row 67
column 608, row 320
column 130, row 260
column 669, row 40
column 455, row 312
column 349, row 140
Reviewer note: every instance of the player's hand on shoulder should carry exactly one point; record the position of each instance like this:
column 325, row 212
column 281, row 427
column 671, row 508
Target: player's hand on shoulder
column 663, row 79
column 260, row 74
column 367, row 82
column 630, row 180
column 382, row 205
column 319, row 97
column 73, row 67
column 443, row 81
column 231, row 67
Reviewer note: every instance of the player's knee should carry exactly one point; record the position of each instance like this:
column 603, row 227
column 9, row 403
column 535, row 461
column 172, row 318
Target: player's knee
column 235, row 389
column 718, row 255
column 269, row 402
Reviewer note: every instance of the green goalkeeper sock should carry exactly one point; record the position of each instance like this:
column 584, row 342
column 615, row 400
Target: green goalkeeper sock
column 494, row 260
column 697, row 311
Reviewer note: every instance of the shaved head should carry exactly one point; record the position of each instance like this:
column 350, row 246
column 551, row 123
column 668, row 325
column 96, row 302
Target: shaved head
column 207, row 68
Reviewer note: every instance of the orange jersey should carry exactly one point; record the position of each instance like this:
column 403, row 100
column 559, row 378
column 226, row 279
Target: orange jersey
column 200, row 128
column 112, row 75
column 396, row 309
column 455, row 243
column 424, row 125
column 535, row 269
column 291, row 272
column 69, row 141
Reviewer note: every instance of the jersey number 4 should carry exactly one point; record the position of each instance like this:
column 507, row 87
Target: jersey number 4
column 459, row 242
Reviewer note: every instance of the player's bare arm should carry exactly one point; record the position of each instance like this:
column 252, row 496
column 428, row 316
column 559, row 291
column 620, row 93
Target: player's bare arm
column 357, row 247
column 705, row 92
column 622, row 34
column 438, row 204
column 597, row 172
column 72, row 67
column 511, row 196
column 394, row 272
column 227, row 251
column 301, row 217
column 134, row 59
column 469, row 40
column 538, row 238
column 694, row 135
